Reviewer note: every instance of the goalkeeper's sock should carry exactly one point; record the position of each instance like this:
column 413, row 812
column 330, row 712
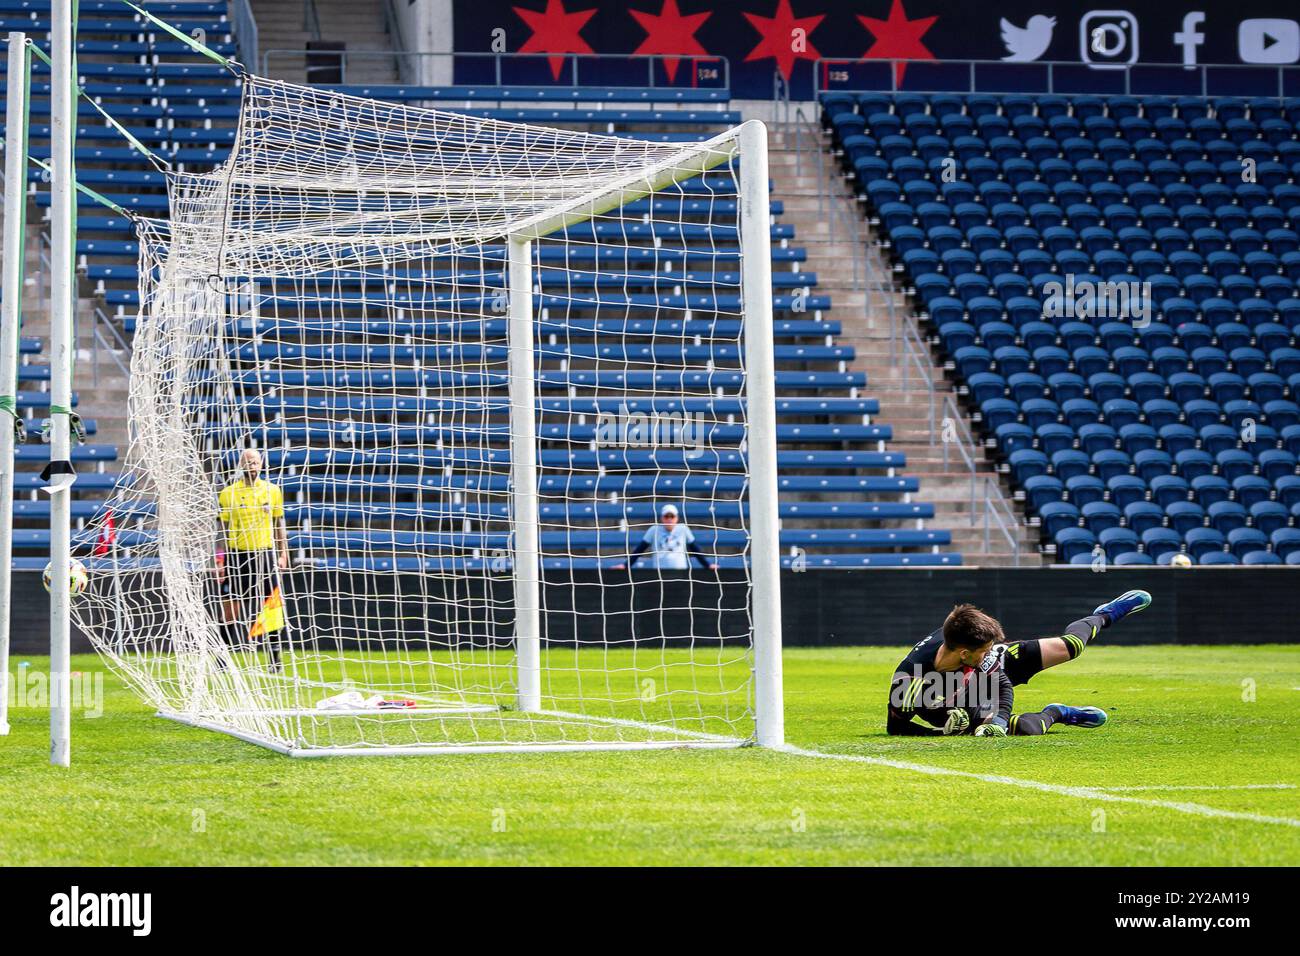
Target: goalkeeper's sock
column 1034, row 725
column 1081, row 633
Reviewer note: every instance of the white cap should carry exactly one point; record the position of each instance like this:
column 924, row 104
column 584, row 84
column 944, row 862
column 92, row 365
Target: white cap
column 668, row 510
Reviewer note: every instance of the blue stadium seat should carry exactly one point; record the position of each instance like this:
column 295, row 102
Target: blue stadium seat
column 1260, row 558
column 1226, row 516
column 1203, row 541
column 1216, row 558
column 1183, row 516
column 1161, row 542
column 1073, row 543
column 1140, row 516
column 1057, row 516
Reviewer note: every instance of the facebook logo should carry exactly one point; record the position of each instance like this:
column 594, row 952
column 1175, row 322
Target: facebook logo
column 1189, row 38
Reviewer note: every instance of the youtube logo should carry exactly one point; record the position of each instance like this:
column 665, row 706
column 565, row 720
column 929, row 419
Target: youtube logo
column 1268, row 41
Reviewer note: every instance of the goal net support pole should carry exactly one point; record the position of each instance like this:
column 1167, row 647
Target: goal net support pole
column 523, row 475
column 63, row 119
column 10, row 323
column 760, row 393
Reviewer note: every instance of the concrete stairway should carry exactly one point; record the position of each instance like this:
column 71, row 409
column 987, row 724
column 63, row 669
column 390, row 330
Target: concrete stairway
column 102, row 392
column 358, row 23
column 833, row 250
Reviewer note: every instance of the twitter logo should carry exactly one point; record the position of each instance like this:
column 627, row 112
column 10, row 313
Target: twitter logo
column 1030, row 41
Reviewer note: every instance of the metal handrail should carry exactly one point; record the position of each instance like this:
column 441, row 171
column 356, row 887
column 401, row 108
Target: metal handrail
column 1050, row 68
column 112, row 345
column 906, row 350
column 393, row 26
column 241, row 17
column 43, row 277
column 910, row 354
column 994, row 504
column 311, row 19
column 915, row 354
column 780, row 98
column 572, row 60
column 983, row 488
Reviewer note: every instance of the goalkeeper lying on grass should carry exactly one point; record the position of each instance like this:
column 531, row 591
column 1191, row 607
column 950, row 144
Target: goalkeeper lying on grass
column 960, row 679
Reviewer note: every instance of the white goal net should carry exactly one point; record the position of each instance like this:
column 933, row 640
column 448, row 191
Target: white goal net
column 441, row 439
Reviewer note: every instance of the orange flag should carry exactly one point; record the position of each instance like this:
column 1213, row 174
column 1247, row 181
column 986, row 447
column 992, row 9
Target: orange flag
column 271, row 617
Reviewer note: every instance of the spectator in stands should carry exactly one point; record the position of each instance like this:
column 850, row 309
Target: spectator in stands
column 669, row 542
column 256, row 551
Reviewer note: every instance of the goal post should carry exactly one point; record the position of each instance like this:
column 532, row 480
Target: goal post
column 63, row 302
column 760, row 386
column 515, row 389
column 523, row 473
column 16, row 104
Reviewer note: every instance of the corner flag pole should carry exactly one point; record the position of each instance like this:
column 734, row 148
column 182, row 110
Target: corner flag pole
column 59, row 476
column 11, row 299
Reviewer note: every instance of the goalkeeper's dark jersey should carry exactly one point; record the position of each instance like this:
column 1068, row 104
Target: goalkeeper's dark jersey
column 919, row 691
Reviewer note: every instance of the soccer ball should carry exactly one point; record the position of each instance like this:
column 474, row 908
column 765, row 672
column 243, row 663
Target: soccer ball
column 1180, row 560
column 78, row 578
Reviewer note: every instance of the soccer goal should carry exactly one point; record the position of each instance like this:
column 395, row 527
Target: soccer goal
column 482, row 363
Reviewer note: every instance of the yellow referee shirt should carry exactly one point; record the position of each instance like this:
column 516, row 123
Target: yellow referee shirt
column 249, row 513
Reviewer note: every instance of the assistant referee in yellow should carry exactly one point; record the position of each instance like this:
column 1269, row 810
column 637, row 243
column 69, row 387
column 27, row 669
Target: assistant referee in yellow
column 257, row 548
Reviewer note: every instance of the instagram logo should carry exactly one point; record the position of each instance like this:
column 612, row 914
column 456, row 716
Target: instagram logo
column 1108, row 39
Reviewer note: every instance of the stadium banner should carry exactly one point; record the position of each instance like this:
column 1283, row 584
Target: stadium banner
column 821, row 607
column 797, row 39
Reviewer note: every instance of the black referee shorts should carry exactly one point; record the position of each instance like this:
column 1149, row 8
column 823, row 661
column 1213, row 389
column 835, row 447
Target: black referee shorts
column 251, row 576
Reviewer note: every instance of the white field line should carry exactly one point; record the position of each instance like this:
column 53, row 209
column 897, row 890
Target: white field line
column 1200, row 786
column 1085, row 793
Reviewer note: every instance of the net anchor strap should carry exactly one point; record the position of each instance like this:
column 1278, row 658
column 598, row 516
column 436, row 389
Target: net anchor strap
column 234, row 66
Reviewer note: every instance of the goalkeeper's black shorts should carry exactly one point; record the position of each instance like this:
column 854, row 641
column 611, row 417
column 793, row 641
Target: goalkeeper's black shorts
column 1023, row 660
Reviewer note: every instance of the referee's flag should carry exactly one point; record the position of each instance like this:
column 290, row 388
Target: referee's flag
column 271, row 617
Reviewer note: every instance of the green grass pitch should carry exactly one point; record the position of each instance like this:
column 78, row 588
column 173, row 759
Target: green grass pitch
column 1193, row 730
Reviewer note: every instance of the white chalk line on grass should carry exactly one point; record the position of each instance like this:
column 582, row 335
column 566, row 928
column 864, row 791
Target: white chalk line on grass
column 1201, row 786
column 1085, row 793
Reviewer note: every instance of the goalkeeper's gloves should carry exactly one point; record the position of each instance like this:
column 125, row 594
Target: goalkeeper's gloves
column 993, row 727
column 957, row 722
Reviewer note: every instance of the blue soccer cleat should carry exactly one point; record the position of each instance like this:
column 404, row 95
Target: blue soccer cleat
column 1078, row 716
column 1130, row 602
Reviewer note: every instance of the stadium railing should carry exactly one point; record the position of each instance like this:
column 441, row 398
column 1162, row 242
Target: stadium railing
column 838, row 74
column 866, row 277
column 245, row 24
column 604, row 73
column 908, row 352
column 986, row 496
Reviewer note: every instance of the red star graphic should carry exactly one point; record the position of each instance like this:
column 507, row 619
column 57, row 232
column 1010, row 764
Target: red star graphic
column 555, row 31
column 898, row 38
column 670, row 32
column 779, row 38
